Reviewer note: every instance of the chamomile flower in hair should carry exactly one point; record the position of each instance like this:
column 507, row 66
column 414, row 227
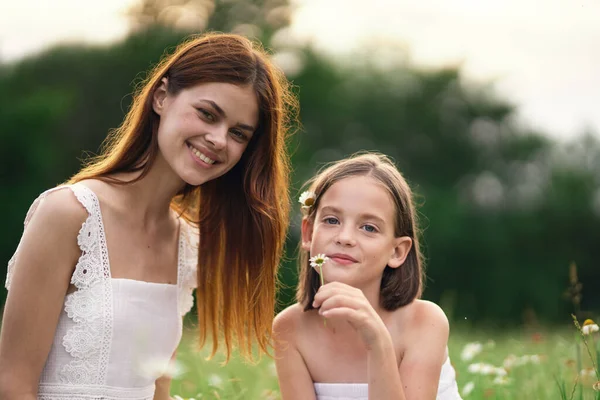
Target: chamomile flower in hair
column 307, row 199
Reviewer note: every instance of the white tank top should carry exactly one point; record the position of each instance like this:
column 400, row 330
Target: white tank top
column 114, row 336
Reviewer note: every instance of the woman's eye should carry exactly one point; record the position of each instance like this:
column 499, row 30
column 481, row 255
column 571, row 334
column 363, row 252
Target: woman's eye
column 370, row 228
column 238, row 134
column 330, row 220
column 207, row 114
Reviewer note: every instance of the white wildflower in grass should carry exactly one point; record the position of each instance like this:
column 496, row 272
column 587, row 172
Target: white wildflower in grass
column 486, row 369
column 478, row 368
column 510, row 361
column 215, row 380
column 587, row 372
column 534, row 359
column 589, row 327
column 470, row 351
column 501, row 380
column 307, row 199
column 467, row 389
column 176, row 397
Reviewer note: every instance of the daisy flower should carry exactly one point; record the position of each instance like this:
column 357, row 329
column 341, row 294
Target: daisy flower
column 307, row 199
column 589, row 327
column 318, row 260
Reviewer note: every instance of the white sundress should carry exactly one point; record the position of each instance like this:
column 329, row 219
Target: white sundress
column 114, row 336
column 447, row 388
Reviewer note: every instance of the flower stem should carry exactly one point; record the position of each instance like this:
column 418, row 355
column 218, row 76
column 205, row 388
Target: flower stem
column 322, row 283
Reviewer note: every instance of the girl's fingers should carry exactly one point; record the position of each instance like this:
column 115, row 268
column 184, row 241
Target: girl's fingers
column 342, row 301
column 335, row 288
column 344, row 313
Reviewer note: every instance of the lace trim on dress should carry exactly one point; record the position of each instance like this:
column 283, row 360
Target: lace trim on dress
column 90, row 307
column 188, row 267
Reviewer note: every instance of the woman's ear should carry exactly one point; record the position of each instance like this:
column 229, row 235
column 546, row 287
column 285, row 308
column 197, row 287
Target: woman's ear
column 402, row 246
column 159, row 96
column 307, row 231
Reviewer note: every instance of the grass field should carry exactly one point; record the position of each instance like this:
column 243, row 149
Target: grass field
column 533, row 364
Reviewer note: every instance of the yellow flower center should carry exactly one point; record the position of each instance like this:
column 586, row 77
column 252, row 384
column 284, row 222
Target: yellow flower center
column 588, row 322
column 309, row 202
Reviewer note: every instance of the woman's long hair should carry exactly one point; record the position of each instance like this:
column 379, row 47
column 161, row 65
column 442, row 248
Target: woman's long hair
column 242, row 216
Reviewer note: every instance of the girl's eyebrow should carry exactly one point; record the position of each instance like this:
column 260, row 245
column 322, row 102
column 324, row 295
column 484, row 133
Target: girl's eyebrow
column 221, row 112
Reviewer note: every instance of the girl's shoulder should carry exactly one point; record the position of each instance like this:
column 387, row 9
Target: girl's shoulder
column 289, row 321
column 421, row 316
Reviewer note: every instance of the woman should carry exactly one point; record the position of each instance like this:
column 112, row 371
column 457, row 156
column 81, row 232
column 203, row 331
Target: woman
column 107, row 262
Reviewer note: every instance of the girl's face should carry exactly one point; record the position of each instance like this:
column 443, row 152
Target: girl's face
column 354, row 227
column 204, row 130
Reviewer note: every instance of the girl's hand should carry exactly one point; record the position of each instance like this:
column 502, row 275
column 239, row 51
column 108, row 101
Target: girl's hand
column 338, row 301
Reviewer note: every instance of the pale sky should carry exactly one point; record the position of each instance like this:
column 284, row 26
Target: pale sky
column 543, row 55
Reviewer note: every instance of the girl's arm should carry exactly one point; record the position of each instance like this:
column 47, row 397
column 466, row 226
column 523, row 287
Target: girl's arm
column 295, row 382
column 43, row 267
column 340, row 301
column 426, row 352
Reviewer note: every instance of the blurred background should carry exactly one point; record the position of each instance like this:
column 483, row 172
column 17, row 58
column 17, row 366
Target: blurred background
column 490, row 109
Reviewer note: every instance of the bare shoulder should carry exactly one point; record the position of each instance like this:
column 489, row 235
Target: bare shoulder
column 61, row 210
column 424, row 318
column 287, row 322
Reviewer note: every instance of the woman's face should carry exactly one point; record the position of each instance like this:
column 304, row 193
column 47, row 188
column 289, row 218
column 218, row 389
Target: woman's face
column 204, row 129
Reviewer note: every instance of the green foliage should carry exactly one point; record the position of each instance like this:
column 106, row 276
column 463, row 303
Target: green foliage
column 504, row 211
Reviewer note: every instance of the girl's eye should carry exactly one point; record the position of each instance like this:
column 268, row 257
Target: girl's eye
column 206, row 114
column 370, row 228
column 330, row 220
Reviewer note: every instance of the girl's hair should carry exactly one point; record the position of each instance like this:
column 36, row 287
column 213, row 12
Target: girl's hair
column 243, row 215
column 399, row 286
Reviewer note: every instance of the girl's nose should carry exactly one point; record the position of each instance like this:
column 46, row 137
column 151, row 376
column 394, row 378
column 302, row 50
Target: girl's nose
column 346, row 236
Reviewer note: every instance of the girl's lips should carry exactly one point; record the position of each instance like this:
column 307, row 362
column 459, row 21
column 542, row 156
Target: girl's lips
column 343, row 259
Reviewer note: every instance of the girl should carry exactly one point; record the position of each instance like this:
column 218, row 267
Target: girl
column 107, row 262
column 363, row 333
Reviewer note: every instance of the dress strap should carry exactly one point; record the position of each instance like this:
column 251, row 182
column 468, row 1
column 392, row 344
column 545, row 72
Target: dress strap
column 187, row 269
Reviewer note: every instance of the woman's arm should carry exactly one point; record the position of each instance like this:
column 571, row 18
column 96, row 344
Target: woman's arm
column 295, row 382
column 43, row 267
column 163, row 384
column 426, row 352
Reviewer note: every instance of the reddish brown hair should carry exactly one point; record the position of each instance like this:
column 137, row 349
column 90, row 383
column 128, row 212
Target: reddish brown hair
column 243, row 215
column 399, row 286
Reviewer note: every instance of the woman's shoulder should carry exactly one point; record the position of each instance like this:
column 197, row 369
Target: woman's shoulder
column 58, row 205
